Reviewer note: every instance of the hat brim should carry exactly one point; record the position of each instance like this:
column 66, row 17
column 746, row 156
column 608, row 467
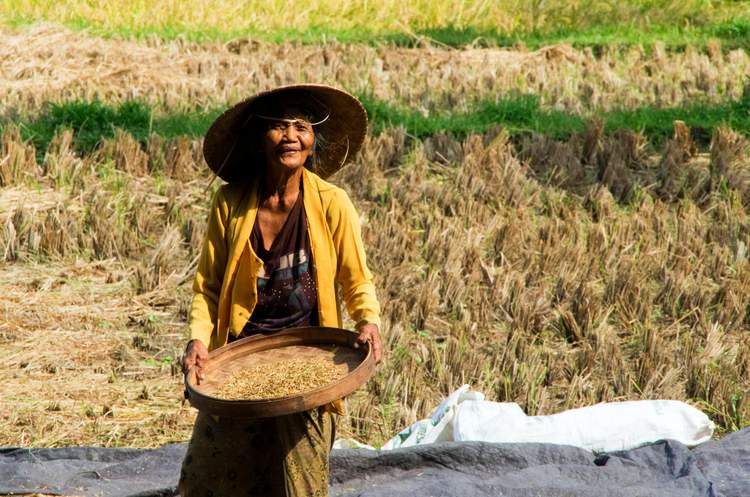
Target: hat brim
column 227, row 146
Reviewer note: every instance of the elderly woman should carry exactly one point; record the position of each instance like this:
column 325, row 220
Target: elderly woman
column 279, row 240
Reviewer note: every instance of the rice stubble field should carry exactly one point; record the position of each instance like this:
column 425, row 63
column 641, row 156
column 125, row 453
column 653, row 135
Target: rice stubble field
column 552, row 272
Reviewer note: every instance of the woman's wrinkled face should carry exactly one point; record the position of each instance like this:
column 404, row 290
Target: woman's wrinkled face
column 288, row 142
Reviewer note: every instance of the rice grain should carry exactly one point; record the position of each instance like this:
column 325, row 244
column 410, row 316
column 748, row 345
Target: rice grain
column 280, row 379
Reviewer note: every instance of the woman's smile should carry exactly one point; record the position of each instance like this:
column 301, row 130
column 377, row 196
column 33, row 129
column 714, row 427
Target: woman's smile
column 290, row 157
column 288, row 150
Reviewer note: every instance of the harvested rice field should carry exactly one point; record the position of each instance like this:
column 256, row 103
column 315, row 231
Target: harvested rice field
column 589, row 246
column 50, row 64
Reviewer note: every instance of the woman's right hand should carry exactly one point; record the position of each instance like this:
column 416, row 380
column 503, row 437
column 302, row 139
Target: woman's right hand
column 196, row 354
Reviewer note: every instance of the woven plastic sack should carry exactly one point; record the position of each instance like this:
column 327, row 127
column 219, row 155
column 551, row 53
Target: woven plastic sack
column 604, row 427
column 466, row 416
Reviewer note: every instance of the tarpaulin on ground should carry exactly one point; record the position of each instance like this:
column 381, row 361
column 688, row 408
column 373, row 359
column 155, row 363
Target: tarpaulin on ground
column 664, row 469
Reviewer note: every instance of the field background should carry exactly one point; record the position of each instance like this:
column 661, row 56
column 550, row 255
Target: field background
column 554, row 199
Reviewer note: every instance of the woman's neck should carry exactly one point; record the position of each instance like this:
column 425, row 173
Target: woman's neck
column 281, row 186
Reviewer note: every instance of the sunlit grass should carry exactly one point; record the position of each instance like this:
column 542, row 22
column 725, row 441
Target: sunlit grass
column 94, row 121
column 454, row 23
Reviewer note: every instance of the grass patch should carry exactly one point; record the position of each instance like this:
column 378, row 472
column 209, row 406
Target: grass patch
column 525, row 115
column 91, row 121
column 730, row 34
column 456, row 24
column 94, row 121
column 522, row 114
column 185, row 123
column 656, row 124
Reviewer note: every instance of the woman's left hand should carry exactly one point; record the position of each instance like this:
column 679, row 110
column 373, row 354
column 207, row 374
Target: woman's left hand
column 369, row 333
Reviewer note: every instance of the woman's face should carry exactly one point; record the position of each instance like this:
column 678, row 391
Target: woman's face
column 289, row 141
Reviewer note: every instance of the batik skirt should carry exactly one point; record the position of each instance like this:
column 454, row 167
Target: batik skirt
column 286, row 456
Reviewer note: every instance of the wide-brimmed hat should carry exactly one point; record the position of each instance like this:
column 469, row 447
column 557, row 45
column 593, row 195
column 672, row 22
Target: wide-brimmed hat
column 232, row 153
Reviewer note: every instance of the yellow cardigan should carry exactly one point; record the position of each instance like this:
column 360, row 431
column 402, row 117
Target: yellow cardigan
column 225, row 281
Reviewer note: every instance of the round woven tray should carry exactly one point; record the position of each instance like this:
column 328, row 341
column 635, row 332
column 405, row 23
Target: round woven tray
column 334, row 344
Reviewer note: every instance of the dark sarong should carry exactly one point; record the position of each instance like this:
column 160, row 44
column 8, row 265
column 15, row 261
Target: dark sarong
column 285, row 456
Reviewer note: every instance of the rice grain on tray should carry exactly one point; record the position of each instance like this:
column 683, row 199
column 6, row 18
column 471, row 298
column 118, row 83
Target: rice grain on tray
column 281, row 379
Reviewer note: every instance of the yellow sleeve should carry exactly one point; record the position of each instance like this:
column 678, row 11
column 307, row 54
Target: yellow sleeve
column 351, row 271
column 209, row 275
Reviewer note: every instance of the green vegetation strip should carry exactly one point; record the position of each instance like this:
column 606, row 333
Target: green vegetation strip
column 732, row 34
column 93, row 121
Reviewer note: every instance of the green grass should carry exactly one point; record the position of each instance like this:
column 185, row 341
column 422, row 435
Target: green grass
column 703, row 119
column 521, row 114
column 730, row 34
column 93, row 121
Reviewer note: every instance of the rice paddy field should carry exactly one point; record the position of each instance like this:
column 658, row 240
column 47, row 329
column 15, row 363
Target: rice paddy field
column 555, row 205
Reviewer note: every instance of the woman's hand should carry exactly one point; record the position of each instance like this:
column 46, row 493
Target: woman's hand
column 196, row 354
column 369, row 333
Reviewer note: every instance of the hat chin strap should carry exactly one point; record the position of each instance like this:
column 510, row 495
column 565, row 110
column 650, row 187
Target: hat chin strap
column 346, row 154
column 221, row 167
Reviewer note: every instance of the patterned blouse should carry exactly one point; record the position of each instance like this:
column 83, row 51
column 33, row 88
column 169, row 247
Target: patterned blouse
column 287, row 295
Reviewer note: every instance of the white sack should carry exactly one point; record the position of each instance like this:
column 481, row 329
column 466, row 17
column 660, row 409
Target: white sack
column 465, row 416
column 439, row 427
column 602, row 427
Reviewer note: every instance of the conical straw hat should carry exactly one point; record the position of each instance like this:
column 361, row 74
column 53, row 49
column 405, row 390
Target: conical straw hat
column 232, row 153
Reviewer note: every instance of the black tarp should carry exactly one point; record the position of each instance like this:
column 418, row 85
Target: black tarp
column 664, row 469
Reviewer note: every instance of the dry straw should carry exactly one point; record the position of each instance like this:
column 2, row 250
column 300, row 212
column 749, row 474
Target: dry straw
column 52, row 64
column 590, row 271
